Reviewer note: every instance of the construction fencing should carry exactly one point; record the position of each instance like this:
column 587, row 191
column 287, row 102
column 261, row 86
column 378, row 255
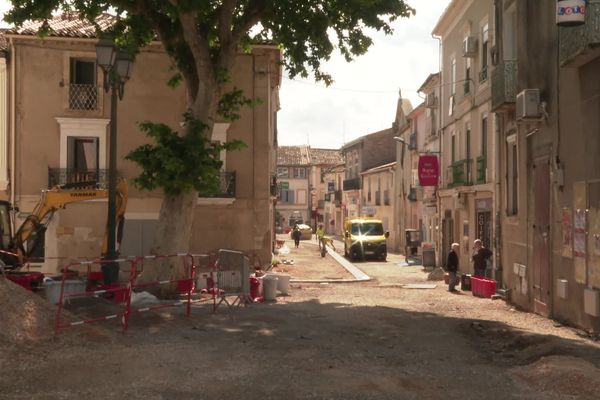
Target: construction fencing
column 224, row 277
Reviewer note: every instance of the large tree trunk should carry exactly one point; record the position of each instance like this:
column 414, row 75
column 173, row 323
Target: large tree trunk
column 172, row 237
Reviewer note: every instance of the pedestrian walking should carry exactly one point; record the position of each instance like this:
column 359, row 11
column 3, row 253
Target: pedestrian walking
column 296, row 235
column 452, row 267
column 320, row 234
column 480, row 257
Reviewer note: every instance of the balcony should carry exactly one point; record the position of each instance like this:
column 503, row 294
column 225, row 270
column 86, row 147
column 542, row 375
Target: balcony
column 73, row 177
column 83, row 97
column 459, row 174
column 226, row 187
column 483, row 75
column 352, row 184
column 580, row 44
column 467, row 88
column 504, row 86
column 481, row 170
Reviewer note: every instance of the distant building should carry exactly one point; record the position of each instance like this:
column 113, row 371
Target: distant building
column 301, row 184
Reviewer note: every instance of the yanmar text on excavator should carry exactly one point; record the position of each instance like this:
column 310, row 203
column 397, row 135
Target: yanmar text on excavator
column 15, row 250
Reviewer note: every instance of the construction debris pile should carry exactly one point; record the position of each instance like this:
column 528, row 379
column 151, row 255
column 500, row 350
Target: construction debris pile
column 24, row 315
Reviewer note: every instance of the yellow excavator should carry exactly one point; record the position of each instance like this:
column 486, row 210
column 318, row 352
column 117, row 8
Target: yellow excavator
column 16, row 249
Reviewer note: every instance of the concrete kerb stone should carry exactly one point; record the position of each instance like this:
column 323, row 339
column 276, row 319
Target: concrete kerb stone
column 359, row 275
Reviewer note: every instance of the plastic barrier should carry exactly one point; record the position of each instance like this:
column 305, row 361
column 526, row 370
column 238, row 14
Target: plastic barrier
column 232, row 270
column 483, row 287
column 183, row 285
column 119, row 293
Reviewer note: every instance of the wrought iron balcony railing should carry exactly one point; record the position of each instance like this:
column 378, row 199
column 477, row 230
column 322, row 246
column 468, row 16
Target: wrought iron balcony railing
column 459, row 173
column 481, row 169
column 70, row 176
column 580, row 44
column 483, row 75
column 83, row 97
column 504, row 85
column 227, row 186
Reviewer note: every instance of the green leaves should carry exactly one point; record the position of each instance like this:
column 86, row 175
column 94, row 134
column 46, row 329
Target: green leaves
column 180, row 164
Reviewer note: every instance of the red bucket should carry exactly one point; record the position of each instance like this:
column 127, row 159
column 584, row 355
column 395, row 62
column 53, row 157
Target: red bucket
column 483, row 287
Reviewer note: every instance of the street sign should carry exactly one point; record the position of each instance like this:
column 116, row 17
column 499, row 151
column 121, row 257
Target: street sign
column 429, row 170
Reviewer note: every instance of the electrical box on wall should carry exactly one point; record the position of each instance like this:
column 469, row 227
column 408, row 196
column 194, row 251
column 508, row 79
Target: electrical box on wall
column 591, row 302
column 562, row 288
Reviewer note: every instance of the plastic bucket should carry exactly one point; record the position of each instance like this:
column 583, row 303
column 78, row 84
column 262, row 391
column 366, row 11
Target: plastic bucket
column 52, row 289
column 465, row 282
column 283, row 284
column 270, row 287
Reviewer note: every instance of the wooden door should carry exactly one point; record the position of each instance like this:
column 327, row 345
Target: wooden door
column 541, row 237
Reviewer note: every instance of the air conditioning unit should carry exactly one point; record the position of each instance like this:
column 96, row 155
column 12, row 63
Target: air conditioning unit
column 528, row 105
column 431, row 101
column 470, row 47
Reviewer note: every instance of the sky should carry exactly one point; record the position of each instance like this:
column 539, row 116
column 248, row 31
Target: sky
column 364, row 94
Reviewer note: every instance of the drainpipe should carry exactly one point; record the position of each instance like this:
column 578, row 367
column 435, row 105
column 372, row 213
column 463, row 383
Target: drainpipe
column 13, row 118
column 440, row 251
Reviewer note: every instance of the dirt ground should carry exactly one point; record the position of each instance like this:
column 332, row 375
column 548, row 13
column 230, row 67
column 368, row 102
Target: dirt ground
column 363, row 340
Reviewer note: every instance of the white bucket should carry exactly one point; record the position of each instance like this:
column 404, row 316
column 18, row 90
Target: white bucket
column 52, row 289
column 283, row 284
column 269, row 287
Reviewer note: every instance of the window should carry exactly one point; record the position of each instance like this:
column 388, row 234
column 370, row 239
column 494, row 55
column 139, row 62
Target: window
column 484, row 53
column 299, row 173
column 453, row 148
column 512, row 177
column 484, row 135
column 467, row 83
column 83, row 90
column 82, row 155
column 453, row 77
column 468, row 141
column 282, row 172
column 509, row 33
column 286, row 196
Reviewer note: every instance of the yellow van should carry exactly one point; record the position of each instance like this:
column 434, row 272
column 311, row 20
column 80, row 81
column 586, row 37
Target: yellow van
column 364, row 237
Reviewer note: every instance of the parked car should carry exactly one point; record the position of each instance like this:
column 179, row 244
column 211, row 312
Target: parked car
column 305, row 230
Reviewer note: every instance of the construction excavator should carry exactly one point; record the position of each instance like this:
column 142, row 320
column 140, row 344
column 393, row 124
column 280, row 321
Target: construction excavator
column 16, row 250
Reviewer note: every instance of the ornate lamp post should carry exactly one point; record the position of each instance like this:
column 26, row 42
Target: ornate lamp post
column 116, row 66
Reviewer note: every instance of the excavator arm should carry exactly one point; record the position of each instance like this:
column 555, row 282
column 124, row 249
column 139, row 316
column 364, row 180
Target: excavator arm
column 58, row 198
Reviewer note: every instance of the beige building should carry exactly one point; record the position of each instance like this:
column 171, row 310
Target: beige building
column 322, row 161
column 467, row 192
column 293, row 170
column 54, row 130
column 378, row 196
column 334, row 178
column 548, row 150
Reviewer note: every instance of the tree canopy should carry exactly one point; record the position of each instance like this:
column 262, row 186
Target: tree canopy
column 201, row 36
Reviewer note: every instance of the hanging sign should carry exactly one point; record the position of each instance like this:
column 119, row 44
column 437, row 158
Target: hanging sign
column 570, row 12
column 429, row 170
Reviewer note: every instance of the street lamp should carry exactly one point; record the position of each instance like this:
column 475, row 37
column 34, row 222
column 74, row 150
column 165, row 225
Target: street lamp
column 116, row 66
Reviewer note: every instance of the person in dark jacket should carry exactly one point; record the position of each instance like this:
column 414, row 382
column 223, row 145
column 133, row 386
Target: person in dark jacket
column 480, row 257
column 296, row 235
column 452, row 267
